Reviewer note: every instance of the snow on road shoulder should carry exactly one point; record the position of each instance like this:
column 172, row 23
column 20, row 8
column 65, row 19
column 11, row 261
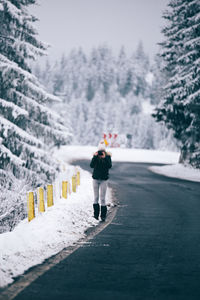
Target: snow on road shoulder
column 62, row 225
column 145, row 156
column 177, row 171
column 72, row 153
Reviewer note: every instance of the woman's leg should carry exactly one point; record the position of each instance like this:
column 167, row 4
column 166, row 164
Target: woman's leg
column 96, row 185
column 96, row 207
column 103, row 188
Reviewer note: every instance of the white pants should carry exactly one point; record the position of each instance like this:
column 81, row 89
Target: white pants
column 100, row 186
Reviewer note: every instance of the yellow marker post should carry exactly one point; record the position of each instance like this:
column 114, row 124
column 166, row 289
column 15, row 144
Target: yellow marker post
column 41, row 207
column 74, row 183
column 31, row 209
column 49, row 195
column 78, row 178
column 69, row 188
column 64, row 189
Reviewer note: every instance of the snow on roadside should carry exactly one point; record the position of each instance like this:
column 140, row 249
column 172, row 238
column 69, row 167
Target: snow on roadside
column 62, row 225
column 177, row 171
column 71, row 153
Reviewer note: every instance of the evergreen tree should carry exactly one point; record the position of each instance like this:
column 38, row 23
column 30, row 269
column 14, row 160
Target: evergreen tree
column 181, row 54
column 140, row 66
column 158, row 81
column 96, row 120
column 28, row 127
column 124, row 76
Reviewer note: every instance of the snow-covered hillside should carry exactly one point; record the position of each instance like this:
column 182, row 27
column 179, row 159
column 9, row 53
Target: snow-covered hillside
column 108, row 93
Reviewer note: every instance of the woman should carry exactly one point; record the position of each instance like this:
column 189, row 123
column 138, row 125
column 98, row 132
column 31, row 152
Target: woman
column 101, row 162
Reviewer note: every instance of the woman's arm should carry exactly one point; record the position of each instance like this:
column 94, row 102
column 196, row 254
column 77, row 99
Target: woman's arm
column 108, row 161
column 93, row 161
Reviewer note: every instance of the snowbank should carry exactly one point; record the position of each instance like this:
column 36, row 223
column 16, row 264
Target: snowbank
column 62, row 225
column 178, row 171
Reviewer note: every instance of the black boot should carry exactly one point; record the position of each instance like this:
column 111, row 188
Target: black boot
column 103, row 213
column 96, row 211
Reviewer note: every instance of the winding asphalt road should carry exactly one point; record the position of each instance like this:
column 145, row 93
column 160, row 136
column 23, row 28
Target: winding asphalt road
column 151, row 249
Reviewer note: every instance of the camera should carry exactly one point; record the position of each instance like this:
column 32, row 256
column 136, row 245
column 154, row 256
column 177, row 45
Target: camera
column 100, row 153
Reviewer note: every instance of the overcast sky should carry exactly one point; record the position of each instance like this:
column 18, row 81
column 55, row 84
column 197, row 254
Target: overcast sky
column 66, row 24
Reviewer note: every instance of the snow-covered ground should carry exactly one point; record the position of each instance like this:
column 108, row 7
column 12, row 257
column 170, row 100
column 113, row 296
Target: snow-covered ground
column 178, row 171
column 63, row 224
column 71, row 153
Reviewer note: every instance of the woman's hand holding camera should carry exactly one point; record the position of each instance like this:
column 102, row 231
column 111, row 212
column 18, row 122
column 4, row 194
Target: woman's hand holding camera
column 100, row 154
column 103, row 154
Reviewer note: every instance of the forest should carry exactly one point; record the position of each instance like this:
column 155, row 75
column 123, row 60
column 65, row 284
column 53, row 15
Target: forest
column 102, row 93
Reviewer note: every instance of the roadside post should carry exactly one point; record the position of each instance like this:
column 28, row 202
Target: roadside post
column 64, row 189
column 31, row 208
column 78, row 178
column 49, row 195
column 74, row 179
column 41, row 207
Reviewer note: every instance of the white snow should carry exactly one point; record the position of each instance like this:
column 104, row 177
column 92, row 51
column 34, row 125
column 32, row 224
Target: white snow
column 178, row 171
column 6, row 125
column 147, row 108
column 70, row 153
column 5, row 151
column 149, row 78
column 16, row 110
column 14, row 11
column 63, row 224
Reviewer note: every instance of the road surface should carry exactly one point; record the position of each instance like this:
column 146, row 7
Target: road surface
column 150, row 251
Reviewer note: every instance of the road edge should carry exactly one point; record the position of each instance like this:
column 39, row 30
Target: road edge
column 23, row 281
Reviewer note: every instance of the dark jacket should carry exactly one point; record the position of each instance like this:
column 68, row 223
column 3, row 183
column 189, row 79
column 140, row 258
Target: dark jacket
column 101, row 167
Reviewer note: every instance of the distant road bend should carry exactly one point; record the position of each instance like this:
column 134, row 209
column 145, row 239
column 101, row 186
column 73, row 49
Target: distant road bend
column 150, row 251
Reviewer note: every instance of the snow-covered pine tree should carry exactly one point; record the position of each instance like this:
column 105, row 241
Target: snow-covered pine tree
column 180, row 108
column 158, row 80
column 96, row 119
column 28, row 127
column 124, row 73
column 140, row 67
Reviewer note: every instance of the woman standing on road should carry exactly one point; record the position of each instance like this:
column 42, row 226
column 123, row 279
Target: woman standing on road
column 101, row 162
